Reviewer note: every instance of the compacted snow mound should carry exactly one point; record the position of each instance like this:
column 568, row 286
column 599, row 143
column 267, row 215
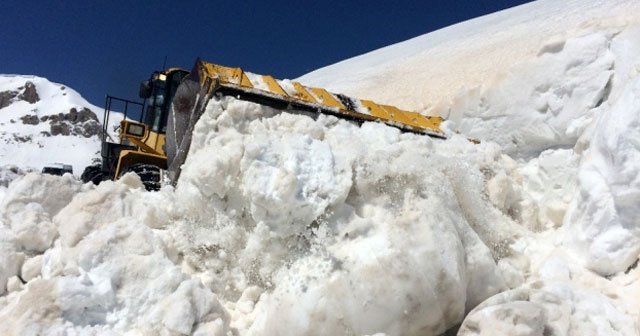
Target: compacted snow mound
column 604, row 219
column 366, row 230
column 260, row 237
column 555, row 85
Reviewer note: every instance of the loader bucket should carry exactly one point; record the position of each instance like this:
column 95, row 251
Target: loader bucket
column 207, row 79
column 185, row 111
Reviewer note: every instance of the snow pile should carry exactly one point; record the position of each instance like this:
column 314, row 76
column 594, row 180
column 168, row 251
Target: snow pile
column 326, row 225
column 42, row 123
column 284, row 224
column 604, row 219
column 327, row 243
column 104, row 271
column 561, row 102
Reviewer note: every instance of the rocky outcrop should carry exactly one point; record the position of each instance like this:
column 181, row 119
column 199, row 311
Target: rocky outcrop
column 30, row 94
column 81, row 123
column 30, row 119
column 6, row 98
column 74, row 116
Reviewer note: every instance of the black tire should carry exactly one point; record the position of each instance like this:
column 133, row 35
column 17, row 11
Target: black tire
column 149, row 174
column 92, row 174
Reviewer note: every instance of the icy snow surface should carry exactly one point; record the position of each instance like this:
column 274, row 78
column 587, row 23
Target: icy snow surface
column 286, row 225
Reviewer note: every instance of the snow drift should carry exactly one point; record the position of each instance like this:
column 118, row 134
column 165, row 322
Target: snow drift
column 284, row 224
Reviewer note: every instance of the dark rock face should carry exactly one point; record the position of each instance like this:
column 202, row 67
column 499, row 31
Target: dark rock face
column 30, row 94
column 80, row 123
column 74, row 116
column 18, row 138
column 6, row 98
column 84, row 123
column 30, row 119
column 89, row 129
column 60, row 128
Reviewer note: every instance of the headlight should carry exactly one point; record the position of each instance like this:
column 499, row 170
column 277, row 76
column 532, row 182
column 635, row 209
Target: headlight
column 137, row 130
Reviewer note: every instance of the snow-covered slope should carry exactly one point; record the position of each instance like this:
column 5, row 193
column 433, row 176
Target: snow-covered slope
column 286, row 225
column 526, row 73
column 42, row 123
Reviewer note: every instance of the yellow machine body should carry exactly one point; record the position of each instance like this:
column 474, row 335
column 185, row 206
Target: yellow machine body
column 149, row 148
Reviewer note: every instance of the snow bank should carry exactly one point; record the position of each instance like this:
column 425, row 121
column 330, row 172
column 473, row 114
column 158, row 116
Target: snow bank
column 603, row 222
column 352, row 247
column 107, row 271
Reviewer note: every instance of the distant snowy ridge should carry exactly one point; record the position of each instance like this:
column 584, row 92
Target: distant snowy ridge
column 42, row 123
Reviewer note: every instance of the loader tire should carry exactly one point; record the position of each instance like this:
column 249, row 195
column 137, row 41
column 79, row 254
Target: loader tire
column 149, row 174
column 92, row 174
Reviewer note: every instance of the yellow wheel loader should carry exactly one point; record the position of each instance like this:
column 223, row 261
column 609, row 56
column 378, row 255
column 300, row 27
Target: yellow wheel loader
column 159, row 139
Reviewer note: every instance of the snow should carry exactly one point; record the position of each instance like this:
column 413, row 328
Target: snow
column 37, row 149
column 284, row 224
column 603, row 219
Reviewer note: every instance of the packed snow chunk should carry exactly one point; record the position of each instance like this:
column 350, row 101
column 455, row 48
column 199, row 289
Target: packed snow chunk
column 31, row 204
column 278, row 165
column 120, row 276
column 290, row 180
column 10, row 258
column 33, row 311
column 603, row 222
column 97, row 207
column 541, row 112
column 31, row 268
column 85, row 299
column 190, row 303
column 549, row 181
column 535, row 193
column 548, row 308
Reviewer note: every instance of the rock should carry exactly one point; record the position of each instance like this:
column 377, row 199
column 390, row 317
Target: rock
column 30, row 94
column 25, row 138
column 89, row 129
column 86, row 114
column 82, row 122
column 30, row 119
column 6, row 98
column 60, row 128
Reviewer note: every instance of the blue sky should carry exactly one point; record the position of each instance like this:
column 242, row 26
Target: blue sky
column 99, row 47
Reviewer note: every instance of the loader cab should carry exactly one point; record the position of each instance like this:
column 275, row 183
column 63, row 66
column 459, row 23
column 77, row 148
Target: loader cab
column 158, row 92
column 140, row 145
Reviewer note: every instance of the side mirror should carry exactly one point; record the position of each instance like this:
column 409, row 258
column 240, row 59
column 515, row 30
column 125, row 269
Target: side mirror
column 145, row 89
